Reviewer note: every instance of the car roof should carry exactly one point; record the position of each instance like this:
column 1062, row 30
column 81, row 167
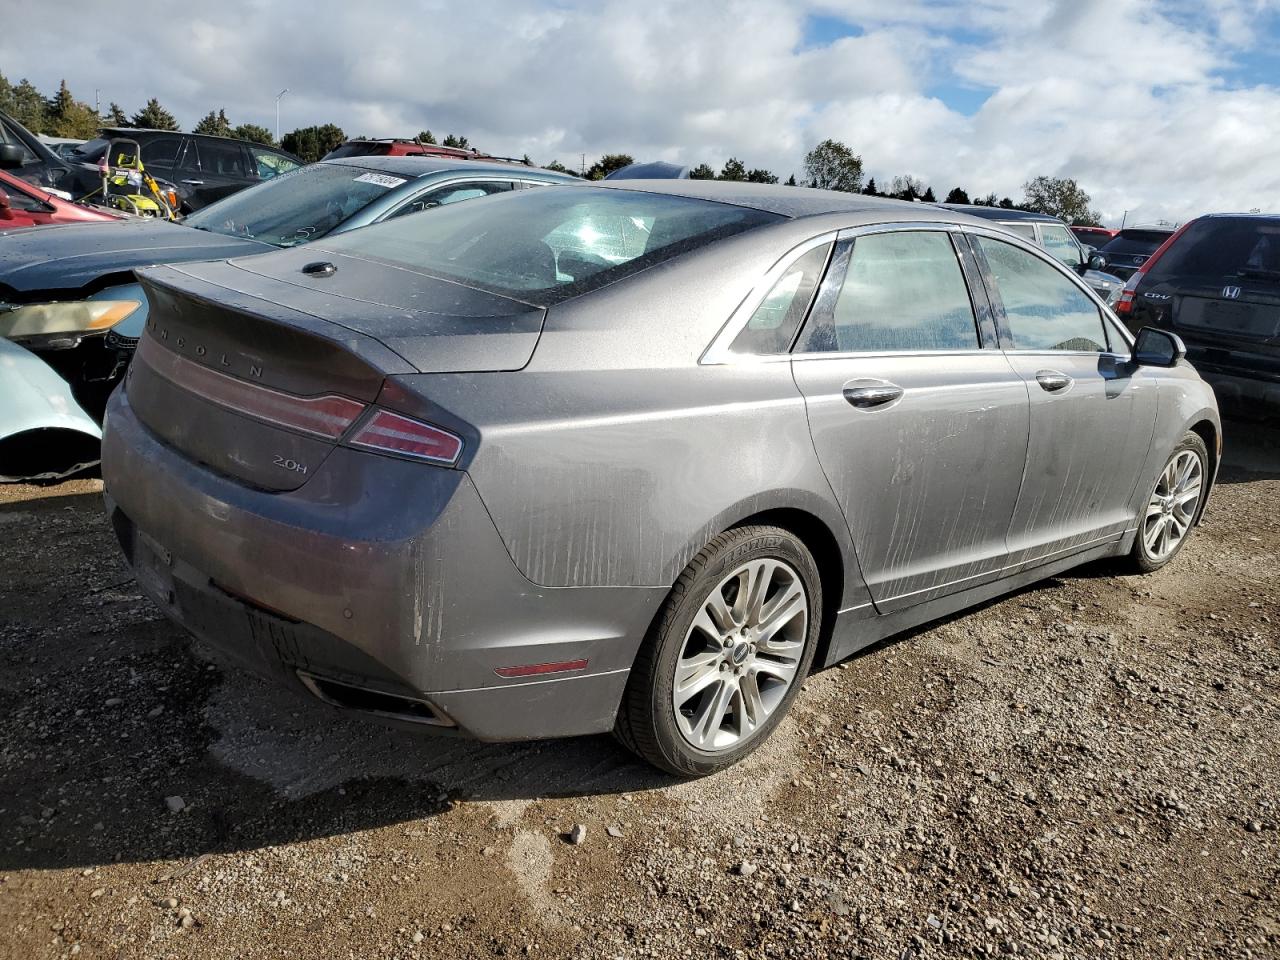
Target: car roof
column 793, row 202
column 1000, row 213
column 420, row 166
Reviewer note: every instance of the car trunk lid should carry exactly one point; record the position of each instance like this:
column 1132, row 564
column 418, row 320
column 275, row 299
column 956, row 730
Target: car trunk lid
column 238, row 374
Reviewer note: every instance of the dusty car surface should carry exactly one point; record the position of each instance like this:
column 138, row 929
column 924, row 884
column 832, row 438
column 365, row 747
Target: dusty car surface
column 633, row 457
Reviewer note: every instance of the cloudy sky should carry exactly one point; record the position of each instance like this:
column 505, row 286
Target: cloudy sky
column 1162, row 108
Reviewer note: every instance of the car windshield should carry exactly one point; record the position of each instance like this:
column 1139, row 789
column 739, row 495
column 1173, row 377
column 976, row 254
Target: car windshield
column 296, row 207
column 1225, row 247
column 545, row 246
column 1137, row 242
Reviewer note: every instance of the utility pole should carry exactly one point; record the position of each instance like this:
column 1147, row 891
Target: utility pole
column 97, row 103
column 278, row 96
column 1123, row 219
column 583, row 168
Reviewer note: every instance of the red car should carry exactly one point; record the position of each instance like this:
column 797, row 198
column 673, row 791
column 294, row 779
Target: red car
column 1094, row 236
column 24, row 205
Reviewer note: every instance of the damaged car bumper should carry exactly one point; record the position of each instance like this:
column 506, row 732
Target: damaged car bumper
column 417, row 614
column 44, row 433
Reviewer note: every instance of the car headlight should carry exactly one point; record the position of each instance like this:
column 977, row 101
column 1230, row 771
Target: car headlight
column 61, row 325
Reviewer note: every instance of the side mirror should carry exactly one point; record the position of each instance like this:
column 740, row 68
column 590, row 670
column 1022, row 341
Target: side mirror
column 6, row 210
column 1097, row 262
column 1158, row 348
column 11, row 156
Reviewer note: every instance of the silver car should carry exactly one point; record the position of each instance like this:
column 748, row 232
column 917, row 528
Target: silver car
column 633, row 457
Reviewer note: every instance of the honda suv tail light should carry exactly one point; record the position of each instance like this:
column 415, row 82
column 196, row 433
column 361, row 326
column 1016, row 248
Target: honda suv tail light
column 388, row 432
column 1124, row 306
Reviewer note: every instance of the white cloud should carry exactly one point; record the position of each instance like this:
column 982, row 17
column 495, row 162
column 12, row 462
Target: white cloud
column 1140, row 100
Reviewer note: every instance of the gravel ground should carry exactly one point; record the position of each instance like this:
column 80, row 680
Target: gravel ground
column 1087, row 768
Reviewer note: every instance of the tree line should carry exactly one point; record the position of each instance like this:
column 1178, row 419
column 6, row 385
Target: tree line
column 831, row 165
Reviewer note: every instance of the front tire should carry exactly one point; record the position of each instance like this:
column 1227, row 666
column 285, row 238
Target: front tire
column 1172, row 506
column 725, row 659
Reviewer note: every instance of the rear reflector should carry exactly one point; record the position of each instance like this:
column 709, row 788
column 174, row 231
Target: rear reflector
column 389, row 432
column 537, row 669
column 327, row 416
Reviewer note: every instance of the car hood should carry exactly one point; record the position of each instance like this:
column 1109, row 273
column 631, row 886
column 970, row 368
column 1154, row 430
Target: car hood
column 71, row 256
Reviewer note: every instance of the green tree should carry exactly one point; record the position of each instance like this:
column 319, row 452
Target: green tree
column 1059, row 197
column 791, row 181
column 733, row 169
column 214, row 124
column 254, row 134
column 116, row 117
column 607, row 164
column 760, row 175
column 559, row 167
column 155, row 117
column 460, row 142
column 906, row 187
column 990, row 200
column 1007, row 203
column 957, row 196
column 833, row 166
column 426, row 136
column 311, row 143
column 702, row 171
column 65, row 116
column 928, row 196
column 870, row 189
column 27, row 105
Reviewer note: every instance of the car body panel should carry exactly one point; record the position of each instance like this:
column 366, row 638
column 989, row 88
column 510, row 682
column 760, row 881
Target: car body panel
column 35, row 400
column 32, row 207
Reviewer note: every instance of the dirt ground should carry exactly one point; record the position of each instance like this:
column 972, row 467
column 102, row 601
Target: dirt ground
column 1088, row 768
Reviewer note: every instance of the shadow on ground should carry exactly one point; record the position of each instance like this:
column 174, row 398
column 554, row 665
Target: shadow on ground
column 1251, row 451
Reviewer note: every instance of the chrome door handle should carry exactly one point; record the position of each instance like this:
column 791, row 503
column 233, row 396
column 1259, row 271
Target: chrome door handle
column 874, row 395
column 194, row 183
column 1053, row 381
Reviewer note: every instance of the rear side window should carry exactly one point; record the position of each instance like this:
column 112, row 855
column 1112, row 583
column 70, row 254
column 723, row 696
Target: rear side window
column 20, row 201
column 1025, row 230
column 220, row 159
column 1222, row 248
column 1137, row 242
column 901, row 292
column 162, row 151
column 773, row 325
column 1044, row 309
column 545, row 246
column 268, row 163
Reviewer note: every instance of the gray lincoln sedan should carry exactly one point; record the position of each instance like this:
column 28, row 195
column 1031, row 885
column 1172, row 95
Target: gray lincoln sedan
column 633, row 457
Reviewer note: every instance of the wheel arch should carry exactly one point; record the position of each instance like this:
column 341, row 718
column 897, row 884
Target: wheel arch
column 1210, row 432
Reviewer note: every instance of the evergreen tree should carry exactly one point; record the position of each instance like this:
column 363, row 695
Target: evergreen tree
column 65, row 116
column 928, row 196
column 702, row 171
column 734, row 169
column 427, row 137
column 116, row 117
column 791, row 180
column 27, row 105
column 607, row 164
column 760, row 175
column 870, row 189
column 155, row 117
column 214, row 125
column 460, row 142
column 559, row 167
column 957, row 196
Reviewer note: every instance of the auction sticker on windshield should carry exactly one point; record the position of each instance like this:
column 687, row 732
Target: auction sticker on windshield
column 382, row 179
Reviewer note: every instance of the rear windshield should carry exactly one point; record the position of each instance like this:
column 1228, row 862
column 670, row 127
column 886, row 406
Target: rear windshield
column 358, row 149
column 544, row 246
column 1224, row 247
column 1137, row 242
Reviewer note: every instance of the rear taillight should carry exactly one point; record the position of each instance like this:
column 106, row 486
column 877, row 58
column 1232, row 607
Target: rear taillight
column 388, row 432
column 1124, row 306
column 328, row 416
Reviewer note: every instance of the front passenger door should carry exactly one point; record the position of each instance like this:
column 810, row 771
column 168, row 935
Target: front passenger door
column 918, row 420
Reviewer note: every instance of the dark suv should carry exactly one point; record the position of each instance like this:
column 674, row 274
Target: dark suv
column 26, row 157
column 1216, row 283
column 204, row 168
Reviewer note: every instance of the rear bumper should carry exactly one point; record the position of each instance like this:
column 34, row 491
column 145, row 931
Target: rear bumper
column 381, row 574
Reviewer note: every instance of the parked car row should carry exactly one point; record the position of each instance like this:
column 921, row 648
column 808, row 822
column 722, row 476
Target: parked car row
column 634, row 456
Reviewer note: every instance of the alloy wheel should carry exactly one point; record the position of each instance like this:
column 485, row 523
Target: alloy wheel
column 741, row 654
column 1173, row 504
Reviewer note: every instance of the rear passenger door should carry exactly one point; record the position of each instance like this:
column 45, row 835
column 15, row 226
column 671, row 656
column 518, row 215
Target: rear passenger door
column 1092, row 413
column 213, row 169
column 917, row 418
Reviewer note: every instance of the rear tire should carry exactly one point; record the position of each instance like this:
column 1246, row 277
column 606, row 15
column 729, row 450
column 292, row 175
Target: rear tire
column 1172, row 506
column 727, row 654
